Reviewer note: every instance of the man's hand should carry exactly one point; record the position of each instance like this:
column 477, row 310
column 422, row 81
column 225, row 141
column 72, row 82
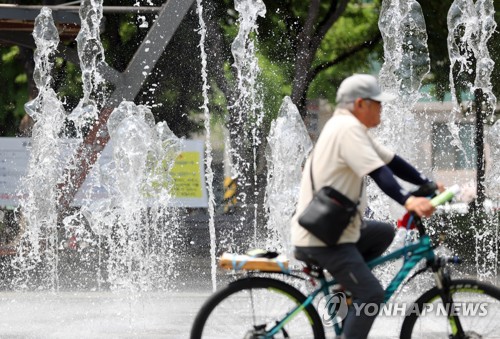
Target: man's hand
column 420, row 205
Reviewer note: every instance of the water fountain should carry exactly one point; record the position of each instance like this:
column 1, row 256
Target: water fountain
column 40, row 238
column 91, row 54
column 208, row 145
column 406, row 64
column 470, row 26
column 134, row 224
column 248, row 109
column 493, row 178
column 131, row 228
column 288, row 146
column 124, row 224
column 493, row 185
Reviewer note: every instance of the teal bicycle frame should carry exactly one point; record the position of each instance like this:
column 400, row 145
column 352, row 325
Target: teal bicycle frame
column 413, row 254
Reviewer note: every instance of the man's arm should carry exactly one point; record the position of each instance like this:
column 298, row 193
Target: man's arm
column 407, row 172
column 384, row 178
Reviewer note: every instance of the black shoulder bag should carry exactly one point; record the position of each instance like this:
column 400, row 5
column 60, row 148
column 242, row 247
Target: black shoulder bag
column 328, row 213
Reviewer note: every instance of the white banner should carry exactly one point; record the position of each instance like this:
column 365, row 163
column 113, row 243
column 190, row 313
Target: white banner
column 188, row 173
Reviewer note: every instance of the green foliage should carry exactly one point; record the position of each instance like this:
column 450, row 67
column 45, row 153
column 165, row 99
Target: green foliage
column 357, row 25
column 14, row 91
column 127, row 31
column 10, row 55
column 21, row 79
column 278, row 40
column 275, row 84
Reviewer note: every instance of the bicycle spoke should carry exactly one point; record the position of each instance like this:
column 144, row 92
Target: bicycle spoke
column 436, row 324
column 247, row 310
column 477, row 312
column 252, row 308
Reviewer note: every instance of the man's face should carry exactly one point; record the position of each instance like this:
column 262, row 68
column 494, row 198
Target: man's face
column 375, row 108
column 368, row 112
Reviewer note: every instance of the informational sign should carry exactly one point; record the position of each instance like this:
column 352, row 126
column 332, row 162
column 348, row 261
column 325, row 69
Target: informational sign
column 13, row 165
column 188, row 173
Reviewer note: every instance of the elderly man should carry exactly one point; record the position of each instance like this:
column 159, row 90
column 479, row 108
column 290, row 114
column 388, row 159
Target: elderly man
column 344, row 154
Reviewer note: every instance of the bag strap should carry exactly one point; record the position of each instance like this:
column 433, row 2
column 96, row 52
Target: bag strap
column 312, row 180
column 311, row 172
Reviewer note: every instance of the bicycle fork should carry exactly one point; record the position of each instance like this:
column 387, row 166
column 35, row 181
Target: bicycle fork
column 442, row 279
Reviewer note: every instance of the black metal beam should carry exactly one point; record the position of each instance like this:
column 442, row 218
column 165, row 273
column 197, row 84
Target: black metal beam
column 65, row 14
column 29, row 13
column 480, row 103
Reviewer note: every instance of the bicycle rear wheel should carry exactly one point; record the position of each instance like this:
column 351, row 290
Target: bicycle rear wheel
column 249, row 307
column 477, row 307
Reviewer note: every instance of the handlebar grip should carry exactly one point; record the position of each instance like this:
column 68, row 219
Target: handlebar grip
column 445, row 196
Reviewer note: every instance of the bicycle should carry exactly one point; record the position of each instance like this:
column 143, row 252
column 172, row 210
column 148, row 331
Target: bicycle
column 257, row 306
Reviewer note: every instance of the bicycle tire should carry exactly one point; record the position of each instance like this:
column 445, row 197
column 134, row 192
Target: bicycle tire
column 229, row 313
column 477, row 320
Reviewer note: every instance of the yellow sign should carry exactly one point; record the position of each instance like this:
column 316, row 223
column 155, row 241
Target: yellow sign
column 184, row 179
column 186, row 175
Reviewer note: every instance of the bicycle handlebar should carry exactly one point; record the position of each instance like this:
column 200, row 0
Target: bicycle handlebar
column 439, row 199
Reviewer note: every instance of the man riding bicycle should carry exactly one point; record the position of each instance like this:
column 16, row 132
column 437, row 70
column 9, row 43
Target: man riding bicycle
column 344, row 154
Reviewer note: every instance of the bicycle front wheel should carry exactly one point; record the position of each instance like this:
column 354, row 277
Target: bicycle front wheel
column 476, row 305
column 250, row 307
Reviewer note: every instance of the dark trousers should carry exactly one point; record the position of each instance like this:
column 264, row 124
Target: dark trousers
column 347, row 263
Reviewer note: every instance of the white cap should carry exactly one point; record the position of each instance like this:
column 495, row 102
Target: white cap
column 363, row 86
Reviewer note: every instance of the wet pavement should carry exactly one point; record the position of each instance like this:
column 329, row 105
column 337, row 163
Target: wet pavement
column 98, row 314
column 112, row 315
column 122, row 314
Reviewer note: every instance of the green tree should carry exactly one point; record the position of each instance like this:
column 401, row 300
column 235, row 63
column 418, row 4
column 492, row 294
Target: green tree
column 302, row 52
column 299, row 44
column 15, row 88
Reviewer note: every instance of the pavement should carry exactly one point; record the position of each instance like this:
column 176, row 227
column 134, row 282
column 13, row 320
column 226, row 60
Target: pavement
column 98, row 314
column 114, row 315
